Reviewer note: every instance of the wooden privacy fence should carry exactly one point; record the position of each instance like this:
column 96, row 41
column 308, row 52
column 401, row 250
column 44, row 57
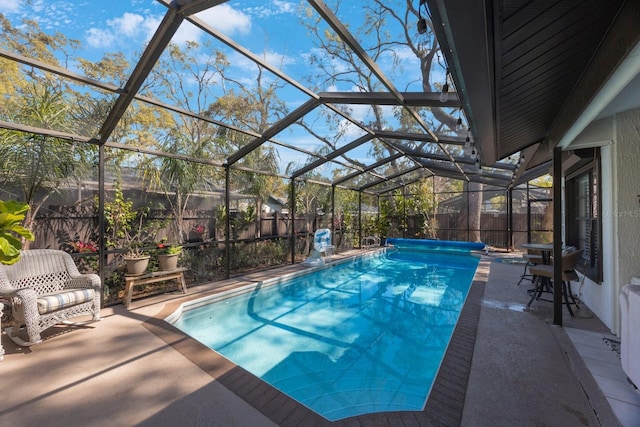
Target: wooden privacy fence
column 59, row 227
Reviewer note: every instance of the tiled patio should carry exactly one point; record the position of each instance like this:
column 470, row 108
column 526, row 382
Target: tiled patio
column 505, row 366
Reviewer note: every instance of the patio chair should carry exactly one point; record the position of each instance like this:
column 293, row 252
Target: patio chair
column 544, row 276
column 532, row 258
column 45, row 288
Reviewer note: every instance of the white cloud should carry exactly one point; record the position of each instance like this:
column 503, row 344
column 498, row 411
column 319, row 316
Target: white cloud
column 360, row 112
column 227, row 20
column 284, row 6
column 150, row 25
column 186, row 32
column 277, row 7
column 278, row 60
column 10, row 6
column 351, row 131
column 128, row 24
column 123, row 30
column 99, row 38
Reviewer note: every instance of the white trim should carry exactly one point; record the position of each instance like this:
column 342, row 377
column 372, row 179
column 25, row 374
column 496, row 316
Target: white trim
column 618, row 81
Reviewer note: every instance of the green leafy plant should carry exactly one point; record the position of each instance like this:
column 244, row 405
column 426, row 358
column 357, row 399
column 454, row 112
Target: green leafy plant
column 127, row 226
column 164, row 248
column 12, row 213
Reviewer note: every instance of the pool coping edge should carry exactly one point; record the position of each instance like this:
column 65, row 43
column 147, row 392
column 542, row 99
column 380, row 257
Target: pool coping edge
column 443, row 407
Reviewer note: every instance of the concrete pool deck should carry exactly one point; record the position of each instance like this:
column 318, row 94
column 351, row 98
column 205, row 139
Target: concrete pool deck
column 505, row 366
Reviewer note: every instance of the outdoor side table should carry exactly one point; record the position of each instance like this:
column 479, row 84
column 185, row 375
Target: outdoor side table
column 132, row 281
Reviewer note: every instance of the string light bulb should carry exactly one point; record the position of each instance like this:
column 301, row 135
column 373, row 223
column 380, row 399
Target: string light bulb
column 459, row 125
column 422, row 23
column 444, row 95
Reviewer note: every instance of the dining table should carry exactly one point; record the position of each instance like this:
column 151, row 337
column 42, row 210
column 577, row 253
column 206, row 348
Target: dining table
column 546, row 249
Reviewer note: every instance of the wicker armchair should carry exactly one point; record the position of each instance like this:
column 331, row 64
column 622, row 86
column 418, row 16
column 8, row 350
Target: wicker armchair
column 46, row 288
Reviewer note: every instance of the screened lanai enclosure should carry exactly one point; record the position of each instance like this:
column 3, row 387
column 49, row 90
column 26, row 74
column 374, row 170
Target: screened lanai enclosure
column 235, row 129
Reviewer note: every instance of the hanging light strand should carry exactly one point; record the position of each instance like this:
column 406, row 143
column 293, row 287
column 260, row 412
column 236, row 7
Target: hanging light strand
column 459, row 125
column 444, row 95
column 422, row 23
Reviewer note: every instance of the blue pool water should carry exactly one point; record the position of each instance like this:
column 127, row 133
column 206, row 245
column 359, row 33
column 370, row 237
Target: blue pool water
column 358, row 337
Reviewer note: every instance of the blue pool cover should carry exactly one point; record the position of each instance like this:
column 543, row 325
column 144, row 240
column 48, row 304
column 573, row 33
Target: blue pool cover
column 435, row 245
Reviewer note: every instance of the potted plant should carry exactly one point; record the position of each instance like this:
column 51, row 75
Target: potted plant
column 12, row 214
column 168, row 254
column 127, row 229
column 136, row 260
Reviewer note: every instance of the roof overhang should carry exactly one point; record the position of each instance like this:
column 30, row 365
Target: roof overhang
column 536, row 72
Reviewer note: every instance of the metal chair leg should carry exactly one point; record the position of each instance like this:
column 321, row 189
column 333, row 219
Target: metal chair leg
column 566, row 298
column 536, row 292
column 525, row 275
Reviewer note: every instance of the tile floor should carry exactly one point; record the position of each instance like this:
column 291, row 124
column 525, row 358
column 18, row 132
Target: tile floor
column 604, row 365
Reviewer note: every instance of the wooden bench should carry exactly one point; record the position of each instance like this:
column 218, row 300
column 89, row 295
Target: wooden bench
column 156, row 276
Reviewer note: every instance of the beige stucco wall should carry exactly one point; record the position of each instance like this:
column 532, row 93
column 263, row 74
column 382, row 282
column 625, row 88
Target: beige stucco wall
column 628, row 193
column 620, row 184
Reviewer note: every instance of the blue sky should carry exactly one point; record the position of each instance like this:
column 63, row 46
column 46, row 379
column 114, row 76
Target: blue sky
column 123, row 24
column 270, row 29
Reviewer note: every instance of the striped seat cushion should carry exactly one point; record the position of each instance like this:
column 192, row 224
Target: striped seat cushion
column 58, row 300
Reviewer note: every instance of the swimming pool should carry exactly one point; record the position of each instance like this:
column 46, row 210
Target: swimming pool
column 352, row 338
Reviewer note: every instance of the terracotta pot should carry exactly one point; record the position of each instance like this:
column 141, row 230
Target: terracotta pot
column 137, row 266
column 168, row 261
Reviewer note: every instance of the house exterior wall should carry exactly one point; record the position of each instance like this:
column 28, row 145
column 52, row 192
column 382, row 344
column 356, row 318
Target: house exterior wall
column 620, row 192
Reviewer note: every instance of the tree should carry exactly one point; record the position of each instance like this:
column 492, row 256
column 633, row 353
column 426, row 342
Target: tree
column 35, row 165
column 423, row 203
column 254, row 107
column 178, row 179
column 183, row 135
column 391, row 26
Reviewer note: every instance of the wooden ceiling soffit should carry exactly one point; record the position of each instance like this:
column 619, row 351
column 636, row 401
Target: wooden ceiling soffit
column 622, row 37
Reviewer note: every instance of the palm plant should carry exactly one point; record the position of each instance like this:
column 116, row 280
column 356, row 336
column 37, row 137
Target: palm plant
column 37, row 165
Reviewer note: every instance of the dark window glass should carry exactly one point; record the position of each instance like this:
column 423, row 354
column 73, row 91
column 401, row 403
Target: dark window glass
column 583, row 214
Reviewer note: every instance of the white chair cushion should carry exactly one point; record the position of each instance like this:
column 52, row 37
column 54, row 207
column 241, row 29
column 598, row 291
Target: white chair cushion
column 59, row 300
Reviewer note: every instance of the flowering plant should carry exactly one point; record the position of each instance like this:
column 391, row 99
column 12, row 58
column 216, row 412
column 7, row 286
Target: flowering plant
column 86, row 264
column 164, row 248
column 82, row 247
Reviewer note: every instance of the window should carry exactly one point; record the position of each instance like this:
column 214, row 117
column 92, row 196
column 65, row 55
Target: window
column 583, row 211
